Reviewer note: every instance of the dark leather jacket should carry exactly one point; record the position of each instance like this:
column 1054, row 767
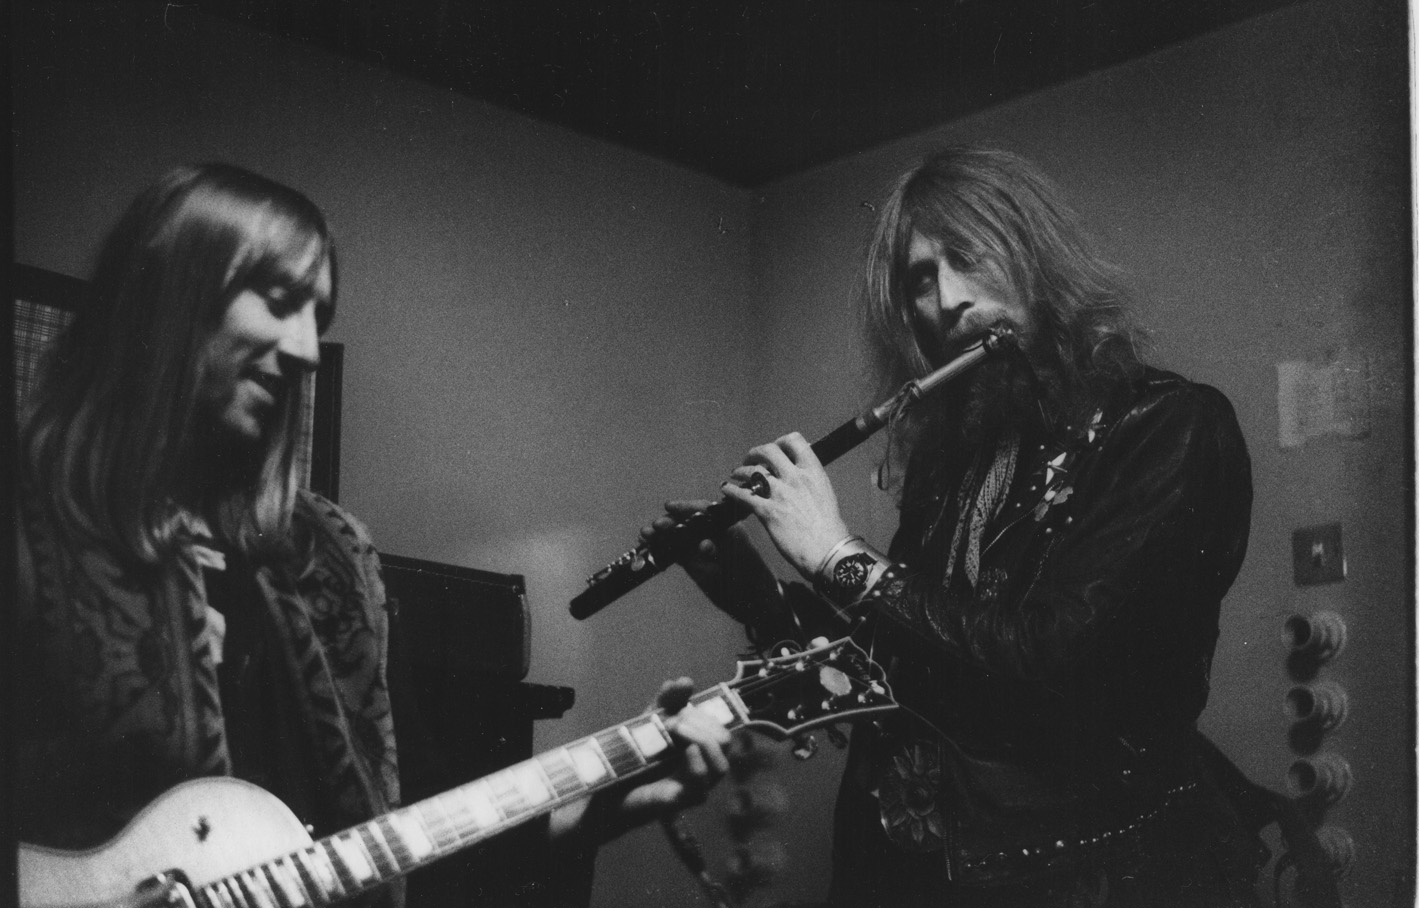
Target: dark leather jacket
column 1052, row 703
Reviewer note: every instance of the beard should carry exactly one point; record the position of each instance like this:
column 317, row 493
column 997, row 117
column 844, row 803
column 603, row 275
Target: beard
column 1017, row 392
column 999, row 395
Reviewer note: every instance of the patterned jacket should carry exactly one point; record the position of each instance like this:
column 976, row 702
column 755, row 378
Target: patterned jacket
column 117, row 691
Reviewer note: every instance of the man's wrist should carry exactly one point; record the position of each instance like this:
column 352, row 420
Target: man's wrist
column 849, row 571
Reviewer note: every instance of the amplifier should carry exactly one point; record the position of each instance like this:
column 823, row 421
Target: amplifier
column 459, row 620
column 459, row 651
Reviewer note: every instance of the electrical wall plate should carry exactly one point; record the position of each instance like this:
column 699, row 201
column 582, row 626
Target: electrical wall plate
column 1317, row 556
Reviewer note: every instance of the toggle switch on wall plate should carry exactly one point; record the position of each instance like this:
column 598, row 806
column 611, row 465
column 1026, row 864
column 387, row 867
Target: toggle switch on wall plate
column 1317, row 556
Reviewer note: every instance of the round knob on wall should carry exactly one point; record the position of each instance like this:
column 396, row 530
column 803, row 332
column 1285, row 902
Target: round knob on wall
column 1323, row 704
column 1325, row 778
column 1338, row 847
column 1320, row 635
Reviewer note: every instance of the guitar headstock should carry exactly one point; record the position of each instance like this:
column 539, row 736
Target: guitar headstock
column 797, row 690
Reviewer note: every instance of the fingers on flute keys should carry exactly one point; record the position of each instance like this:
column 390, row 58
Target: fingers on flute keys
column 677, row 512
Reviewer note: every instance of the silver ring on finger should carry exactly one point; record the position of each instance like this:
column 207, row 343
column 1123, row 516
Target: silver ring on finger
column 758, row 485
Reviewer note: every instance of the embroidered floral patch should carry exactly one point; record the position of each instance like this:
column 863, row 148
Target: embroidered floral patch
column 1058, row 467
column 907, row 799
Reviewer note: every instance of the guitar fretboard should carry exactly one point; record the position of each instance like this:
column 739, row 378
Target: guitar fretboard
column 387, row 847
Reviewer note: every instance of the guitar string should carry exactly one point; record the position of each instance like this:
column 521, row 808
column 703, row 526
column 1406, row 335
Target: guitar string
column 751, row 685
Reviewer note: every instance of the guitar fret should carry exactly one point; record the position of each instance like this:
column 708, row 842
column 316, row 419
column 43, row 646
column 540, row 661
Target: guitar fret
column 288, row 880
column 224, row 896
column 518, row 789
column 780, row 692
column 437, row 822
column 234, row 885
column 239, row 895
column 256, row 885
column 386, row 864
column 410, row 834
column 715, row 703
column 588, row 761
column 229, row 886
column 561, row 774
column 354, row 856
column 620, row 753
column 301, row 861
column 478, row 807
column 393, row 842
column 537, row 783
column 503, row 790
column 321, row 872
column 349, row 882
column 650, row 736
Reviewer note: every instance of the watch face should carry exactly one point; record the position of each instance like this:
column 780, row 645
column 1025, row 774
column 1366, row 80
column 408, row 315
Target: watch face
column 851, row 573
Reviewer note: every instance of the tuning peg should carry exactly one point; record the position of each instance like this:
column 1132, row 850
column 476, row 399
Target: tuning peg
column 836, row 736
column 805, row 746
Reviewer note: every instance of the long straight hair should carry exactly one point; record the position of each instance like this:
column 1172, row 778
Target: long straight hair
column 110, row 433
column 997, row 216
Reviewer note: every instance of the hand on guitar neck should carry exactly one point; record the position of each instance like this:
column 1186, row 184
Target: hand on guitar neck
column 224, row 843
column 701, row 764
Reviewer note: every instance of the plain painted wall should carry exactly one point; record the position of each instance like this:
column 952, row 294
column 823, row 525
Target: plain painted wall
column 547, row 335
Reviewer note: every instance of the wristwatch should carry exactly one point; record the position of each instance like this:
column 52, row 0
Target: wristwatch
column 850, row 574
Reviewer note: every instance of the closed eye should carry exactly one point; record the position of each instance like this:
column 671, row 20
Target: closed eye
column 960, row 261
column 284, row 302
column 921, row 279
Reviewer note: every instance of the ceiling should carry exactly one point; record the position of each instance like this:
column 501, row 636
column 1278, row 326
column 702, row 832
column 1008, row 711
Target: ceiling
column 745, row 91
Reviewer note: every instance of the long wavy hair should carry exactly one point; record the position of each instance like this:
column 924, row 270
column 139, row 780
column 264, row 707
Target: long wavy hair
column 996, row 215
column 111, row 434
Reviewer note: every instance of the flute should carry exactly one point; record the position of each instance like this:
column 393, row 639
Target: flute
column 634, row 567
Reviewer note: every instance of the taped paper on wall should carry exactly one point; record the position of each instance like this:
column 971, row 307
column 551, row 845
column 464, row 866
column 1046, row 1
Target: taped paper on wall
column 1317, row 399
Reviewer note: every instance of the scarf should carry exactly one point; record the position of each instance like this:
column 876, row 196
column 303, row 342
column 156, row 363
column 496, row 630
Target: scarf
column 978, row 501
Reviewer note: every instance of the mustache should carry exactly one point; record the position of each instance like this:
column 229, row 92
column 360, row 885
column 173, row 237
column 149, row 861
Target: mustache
column 947, row 341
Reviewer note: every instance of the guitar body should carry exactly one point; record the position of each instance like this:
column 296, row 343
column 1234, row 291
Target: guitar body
column 233, row 845
column 207, row 828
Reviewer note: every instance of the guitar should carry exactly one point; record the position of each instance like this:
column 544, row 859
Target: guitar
column 220, row 842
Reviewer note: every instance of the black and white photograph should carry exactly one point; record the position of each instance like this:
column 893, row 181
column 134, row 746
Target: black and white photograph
column 660, row 453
